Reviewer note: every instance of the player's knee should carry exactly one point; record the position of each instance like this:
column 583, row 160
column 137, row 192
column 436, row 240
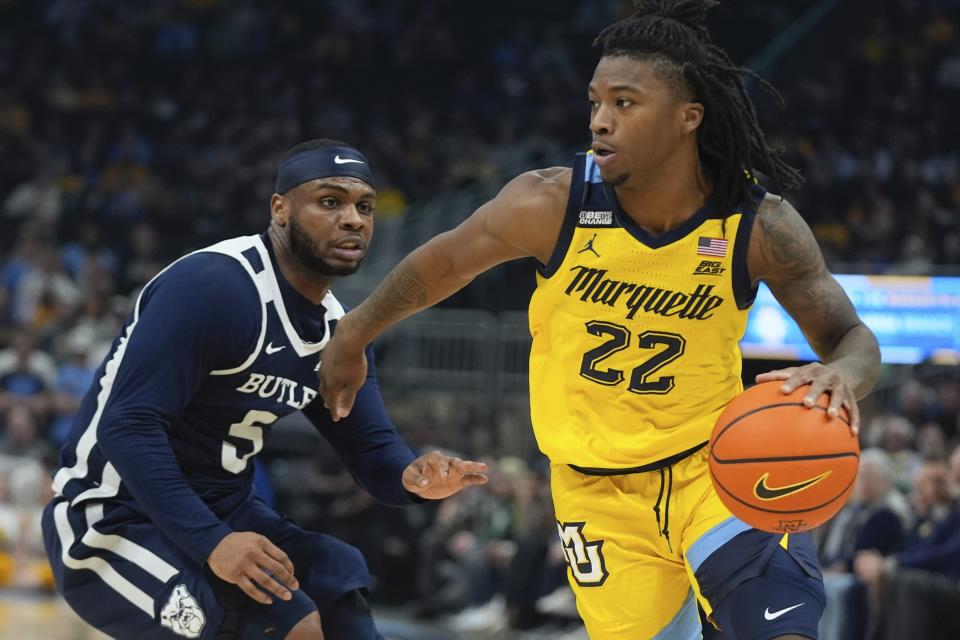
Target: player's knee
column 351, row 618
column 307, row 629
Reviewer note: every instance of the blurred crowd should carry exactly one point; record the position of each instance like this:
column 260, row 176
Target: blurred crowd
column 891, row 557
column 869, row 119
column 134, row 132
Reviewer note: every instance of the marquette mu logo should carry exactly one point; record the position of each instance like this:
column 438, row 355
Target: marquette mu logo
column 593, row 285
column 765, row 492
column 791, row 526
column 585, row 557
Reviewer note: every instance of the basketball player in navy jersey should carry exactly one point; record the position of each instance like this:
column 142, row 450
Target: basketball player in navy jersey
column 155, row 531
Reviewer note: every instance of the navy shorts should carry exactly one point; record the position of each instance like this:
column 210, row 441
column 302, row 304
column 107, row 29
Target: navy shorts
column 122, row 576
column 777, row 591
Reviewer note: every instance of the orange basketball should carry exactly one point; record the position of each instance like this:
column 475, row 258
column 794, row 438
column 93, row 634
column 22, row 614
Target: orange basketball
column 780, row 466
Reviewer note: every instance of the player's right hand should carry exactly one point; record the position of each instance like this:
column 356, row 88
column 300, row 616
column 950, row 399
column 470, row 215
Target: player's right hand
column 254, row 564
column 343, row 370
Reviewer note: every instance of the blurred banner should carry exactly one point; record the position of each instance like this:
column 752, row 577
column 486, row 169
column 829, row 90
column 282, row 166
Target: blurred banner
column 915, row 319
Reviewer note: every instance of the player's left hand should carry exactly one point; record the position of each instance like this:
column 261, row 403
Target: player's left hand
column 822, row 379
column 436, row 476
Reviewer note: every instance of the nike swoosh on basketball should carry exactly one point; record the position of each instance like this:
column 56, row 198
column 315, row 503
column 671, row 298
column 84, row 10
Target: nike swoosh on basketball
column 272, row 349
column 768, row 615
column 337, row 159
column 766, row 492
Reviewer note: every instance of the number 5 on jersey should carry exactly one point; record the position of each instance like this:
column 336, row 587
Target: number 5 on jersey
column 641, row 378
column 249, row 430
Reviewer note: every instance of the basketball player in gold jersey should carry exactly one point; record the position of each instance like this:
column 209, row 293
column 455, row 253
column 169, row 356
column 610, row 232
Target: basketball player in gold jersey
column 651, row 248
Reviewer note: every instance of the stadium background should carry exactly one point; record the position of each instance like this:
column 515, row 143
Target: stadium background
column 134, row 132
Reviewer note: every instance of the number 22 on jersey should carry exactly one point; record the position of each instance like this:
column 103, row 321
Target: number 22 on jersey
column 619, row 338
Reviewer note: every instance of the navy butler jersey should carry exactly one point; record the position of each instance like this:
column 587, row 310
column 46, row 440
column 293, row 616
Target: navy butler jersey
column 218, row 347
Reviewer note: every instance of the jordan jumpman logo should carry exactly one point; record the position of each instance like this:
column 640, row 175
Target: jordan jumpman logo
column 589, row 246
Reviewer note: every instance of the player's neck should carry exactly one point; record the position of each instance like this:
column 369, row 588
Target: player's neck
column 308, row 284
column 665, row 200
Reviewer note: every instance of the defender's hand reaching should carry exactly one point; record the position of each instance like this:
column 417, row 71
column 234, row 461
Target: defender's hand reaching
column 435, row 476
column 253, row 563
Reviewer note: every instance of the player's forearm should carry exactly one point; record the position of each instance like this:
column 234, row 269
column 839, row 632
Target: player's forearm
column 368, row 442
column 423, row 278
column 857, row 354
column 145, row 462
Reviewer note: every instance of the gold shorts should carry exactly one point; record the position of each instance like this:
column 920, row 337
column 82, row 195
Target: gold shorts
column 633, row 572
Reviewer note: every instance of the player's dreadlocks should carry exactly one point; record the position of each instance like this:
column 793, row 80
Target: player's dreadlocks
column 672, row 35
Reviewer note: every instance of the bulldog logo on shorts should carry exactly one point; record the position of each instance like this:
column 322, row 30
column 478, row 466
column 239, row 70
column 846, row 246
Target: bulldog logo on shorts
column 182, row 614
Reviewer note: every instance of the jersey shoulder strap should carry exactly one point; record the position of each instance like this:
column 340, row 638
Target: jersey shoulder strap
column 587, row 206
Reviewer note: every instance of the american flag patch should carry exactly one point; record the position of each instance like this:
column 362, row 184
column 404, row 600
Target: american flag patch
column 712, row 247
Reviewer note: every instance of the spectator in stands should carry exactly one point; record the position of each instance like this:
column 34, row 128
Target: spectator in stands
column 481, row 547
column 896, row 435
column 21, row 437
column 930, row 500
column 916, row 403
column 953, row 478
column 27, row 374
column 144, row 260
column 875, row 518
column 515, row 570
column 74, row 376
column 440, row 584
column 948, row 400
column 38, row 199
column 931, row 443
column 915, row 593
column 45, row 294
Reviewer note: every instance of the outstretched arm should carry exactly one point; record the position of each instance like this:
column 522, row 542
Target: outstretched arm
column 523, row 220
column 784, row 254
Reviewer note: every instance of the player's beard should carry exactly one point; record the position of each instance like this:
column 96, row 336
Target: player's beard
column 305, row 251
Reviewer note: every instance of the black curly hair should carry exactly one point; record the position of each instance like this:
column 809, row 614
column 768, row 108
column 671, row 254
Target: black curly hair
column 672, row 35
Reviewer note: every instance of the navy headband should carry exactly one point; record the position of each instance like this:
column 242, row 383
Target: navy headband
column 324, row 162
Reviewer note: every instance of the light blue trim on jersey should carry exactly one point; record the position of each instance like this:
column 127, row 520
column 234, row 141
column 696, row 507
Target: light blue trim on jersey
column 591, row 172
column 685, row 625
column 713, row 539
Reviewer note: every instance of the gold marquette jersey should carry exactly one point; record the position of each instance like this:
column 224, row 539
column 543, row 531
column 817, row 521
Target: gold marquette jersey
column 635, row 336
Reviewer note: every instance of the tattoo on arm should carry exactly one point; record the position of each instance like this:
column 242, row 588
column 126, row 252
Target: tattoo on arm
column 799, row 279
column 401, row 293
column 423, row 278
column 406, row 289
column 786, row 243
column 797, row 276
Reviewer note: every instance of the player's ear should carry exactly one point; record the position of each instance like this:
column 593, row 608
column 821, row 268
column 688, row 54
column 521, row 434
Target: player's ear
column 691, row 115
column 279, row 209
